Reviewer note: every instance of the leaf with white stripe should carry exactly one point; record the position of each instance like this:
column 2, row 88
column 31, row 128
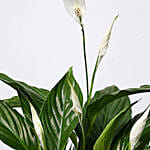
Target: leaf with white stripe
column 57, row 116
column 26, row 94
column 15, row 130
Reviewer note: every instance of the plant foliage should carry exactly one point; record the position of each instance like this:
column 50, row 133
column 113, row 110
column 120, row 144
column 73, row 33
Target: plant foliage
column 52, row 118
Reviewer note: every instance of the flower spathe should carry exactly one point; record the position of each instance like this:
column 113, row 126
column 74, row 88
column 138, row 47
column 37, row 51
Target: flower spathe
column 76, row 103
column 75, row 100
column 105, row 41
column 37, row 124
column 138, row 128
column 75, row 8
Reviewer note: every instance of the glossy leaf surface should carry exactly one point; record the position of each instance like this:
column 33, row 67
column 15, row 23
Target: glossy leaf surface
column 106, row 138
column 122, row 137
column 57, row 116
column 107, row 113
column 95, row 107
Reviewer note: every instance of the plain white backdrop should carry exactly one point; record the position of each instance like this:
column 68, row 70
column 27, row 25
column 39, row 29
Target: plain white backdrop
column 39, row 41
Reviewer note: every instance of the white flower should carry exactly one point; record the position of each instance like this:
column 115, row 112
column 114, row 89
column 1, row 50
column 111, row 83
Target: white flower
column 105, row 41
column 75, row 8
column 75, row 100
column 137, row 129
column 37, row 124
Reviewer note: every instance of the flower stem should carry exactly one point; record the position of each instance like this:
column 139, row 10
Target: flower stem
column 87, row 81
column 83, row 136
column 85, row 59
column 93, row 77
column 83, row 133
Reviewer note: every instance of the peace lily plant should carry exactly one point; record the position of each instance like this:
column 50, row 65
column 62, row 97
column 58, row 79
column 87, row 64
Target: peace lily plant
column 54, row 117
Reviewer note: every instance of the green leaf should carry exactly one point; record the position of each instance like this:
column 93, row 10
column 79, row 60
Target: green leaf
column 14, row 129
column 37, row 125
column 13, row 102
column 107, row 113
column 26, row 94
column 95, row 107
column 106, row 138
column 57, row 116
column 73, row 138
column 122, row 136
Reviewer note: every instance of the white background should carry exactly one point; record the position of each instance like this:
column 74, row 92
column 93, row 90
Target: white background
column 39, row 41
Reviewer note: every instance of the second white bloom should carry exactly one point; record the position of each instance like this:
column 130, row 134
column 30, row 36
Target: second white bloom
column 105, row 41
column 75, row 100
column 137, row 129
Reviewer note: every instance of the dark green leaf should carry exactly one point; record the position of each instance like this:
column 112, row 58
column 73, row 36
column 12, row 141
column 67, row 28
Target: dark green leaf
column 95, row 107
column 107, row 113
column 57, row 116
column 13, row 102
column 106, row 138
column 73, row 138
column 122, row 136
column 15, row 131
